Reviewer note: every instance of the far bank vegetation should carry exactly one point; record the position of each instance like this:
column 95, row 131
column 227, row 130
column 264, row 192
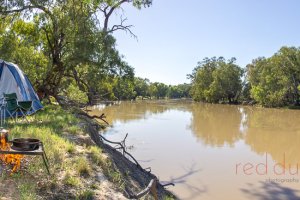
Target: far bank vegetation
column 270, row 82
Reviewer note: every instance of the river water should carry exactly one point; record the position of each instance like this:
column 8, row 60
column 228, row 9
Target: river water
column 212, row 151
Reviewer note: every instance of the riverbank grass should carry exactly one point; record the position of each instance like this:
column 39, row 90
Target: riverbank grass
column 72, row 164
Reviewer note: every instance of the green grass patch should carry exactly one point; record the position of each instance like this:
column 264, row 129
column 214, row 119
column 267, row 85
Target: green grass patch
column 71, row 180
column 96, row 154
column 82, row 166
column 112, row 173
column 86, row 195
column 27, row 191
column 75, row 130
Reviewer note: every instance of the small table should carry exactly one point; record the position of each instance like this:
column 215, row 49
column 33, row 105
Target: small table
column 40, row 151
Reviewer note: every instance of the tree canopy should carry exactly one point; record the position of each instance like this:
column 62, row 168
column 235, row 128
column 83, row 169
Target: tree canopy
column 271, row 82
column 275, row 81
column 215, row 80
column 67, row 42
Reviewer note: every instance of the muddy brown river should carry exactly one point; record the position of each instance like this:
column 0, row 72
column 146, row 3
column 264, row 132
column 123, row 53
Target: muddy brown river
column 212, row 151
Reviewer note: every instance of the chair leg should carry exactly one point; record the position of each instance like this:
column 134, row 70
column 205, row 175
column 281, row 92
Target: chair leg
column 2, row 117
column 11, row 115
column 24, row 115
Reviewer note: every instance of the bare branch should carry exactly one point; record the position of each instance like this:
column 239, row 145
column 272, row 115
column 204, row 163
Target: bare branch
column 150, row 188
column 100, row 117
column 123, row 27
column 111, row 10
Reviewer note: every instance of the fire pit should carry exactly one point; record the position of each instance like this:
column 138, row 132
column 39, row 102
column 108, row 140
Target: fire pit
column 25, row 144
column 12, row 152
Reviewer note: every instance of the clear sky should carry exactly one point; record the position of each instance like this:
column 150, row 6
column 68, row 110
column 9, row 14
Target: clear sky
column 173, row 35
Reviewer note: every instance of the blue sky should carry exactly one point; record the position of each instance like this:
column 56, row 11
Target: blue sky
column 174, row 35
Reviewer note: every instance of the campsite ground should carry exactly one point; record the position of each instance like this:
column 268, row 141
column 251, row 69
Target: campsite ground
column 79, row 168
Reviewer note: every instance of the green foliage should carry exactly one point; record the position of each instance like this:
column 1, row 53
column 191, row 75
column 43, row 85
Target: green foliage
column 141, row 87
column 215, row 80
column 65, row 49
column 124, row 82
column 275, row 80
column 179, row 91
column 75, row 94
column 158, row 90
column 271, row 82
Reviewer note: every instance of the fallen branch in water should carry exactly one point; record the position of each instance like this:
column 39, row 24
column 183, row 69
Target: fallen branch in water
column 152, row 185
column 167, row 184
column 122, row 146
column 101, row 117
column 150, row 188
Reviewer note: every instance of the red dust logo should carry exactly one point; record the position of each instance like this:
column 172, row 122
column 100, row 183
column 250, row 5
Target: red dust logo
column 264, row 168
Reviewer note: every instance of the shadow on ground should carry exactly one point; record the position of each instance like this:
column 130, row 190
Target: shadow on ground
column 194, row 191
column 271, row 191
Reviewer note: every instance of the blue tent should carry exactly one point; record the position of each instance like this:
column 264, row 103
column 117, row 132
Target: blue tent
column 13, row 80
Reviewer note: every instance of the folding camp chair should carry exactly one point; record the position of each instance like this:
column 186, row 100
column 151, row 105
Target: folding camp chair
column 15, row 107
column 2, row 111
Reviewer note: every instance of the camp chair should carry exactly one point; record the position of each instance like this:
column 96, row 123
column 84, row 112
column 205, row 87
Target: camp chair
column 13, row 107
column 2, row 111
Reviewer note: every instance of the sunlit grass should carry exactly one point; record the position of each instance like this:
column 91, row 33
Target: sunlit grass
column 71, row 180
column 112, row 173
column 27, row 191
column 82, row 166
column 96, row 155
column 86, row 195
column 50, row 125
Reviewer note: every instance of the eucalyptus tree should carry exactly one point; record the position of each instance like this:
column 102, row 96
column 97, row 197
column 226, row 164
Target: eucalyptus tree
column 288, row 59
column 141, row 87
column 179, row 91
column 70, row 38
column 215, row 80
column 268, row 83
column 201, row 78
column 275, row 81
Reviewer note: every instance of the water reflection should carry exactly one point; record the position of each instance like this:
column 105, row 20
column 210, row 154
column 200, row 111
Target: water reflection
column 244, row 120
column 128, row 111
column 274, row 131
column 216, row 125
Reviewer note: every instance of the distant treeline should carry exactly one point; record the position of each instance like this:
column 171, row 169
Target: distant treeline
column 144, row 89
column 271, row 82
